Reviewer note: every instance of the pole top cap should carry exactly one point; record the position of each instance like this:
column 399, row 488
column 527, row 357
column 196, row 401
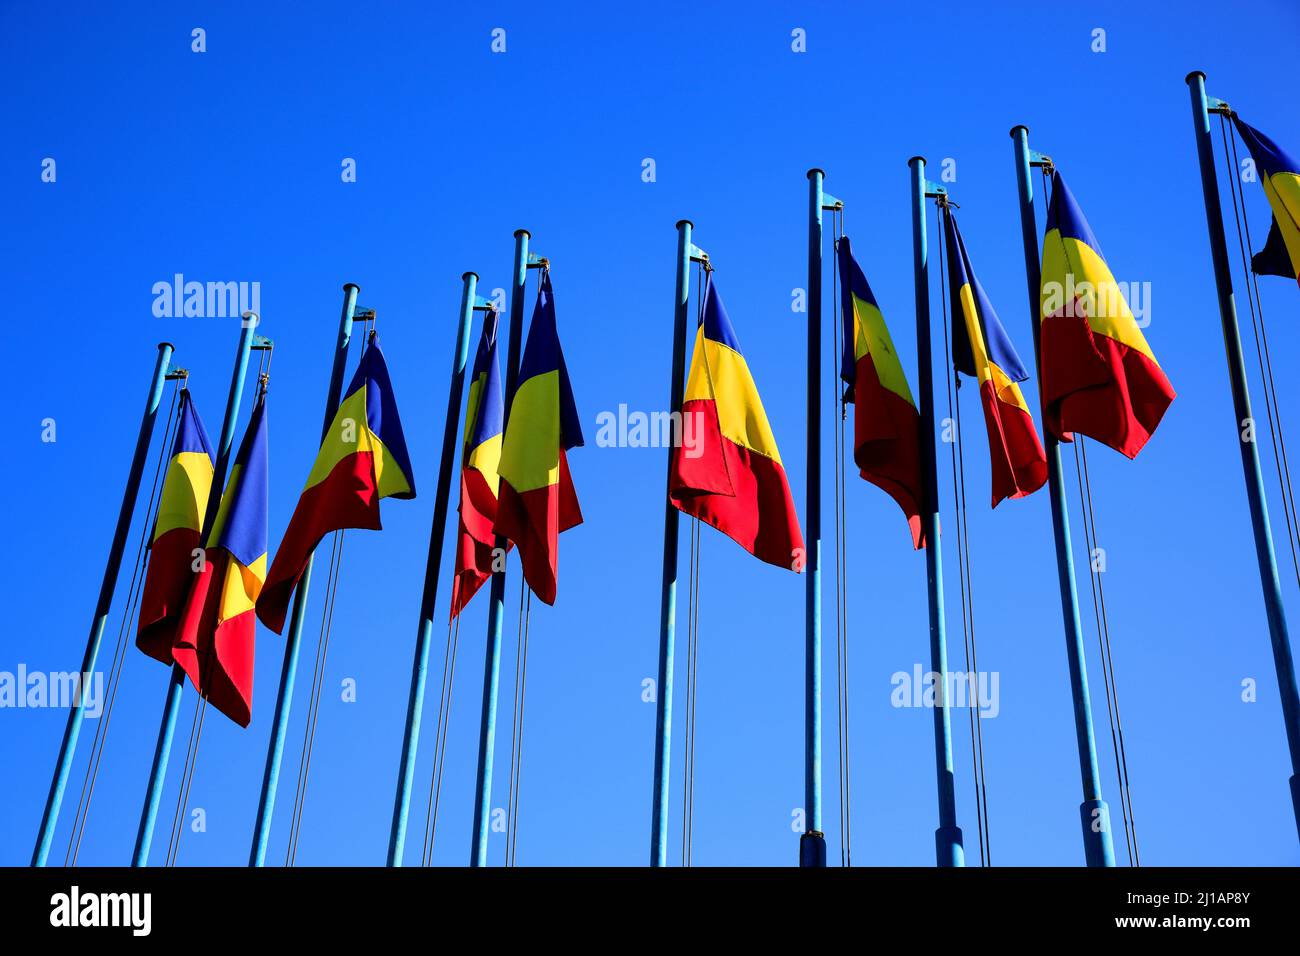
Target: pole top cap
column 815, row 171
column 466, row 275
column 351, row 285
column 1019, row 126
column 523, row 233
column 1194, row 73
column 166, row 345
column 916, row 159
column 685, row 222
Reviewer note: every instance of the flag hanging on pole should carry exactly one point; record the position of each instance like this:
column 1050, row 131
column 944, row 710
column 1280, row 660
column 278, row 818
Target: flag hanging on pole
column 215, row 639
column 1279, row 174
column 536, row 499
column 886, row 424
column 362, row 459
column 1099, row 377
column 177, row 534
column 479, row 479
column 725, row 469
column 982, row 349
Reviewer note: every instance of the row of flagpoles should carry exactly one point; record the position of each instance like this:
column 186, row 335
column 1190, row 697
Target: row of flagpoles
column 208, row 581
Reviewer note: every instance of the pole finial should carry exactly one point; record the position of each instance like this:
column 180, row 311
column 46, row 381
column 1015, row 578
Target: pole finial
column 466, row 275
column 916, row 159
column 1018, row 128
column 351, row 285
column 815, row 171
column 166, row 345
column 684, row 222
column 1195, row 73
column 524, row 233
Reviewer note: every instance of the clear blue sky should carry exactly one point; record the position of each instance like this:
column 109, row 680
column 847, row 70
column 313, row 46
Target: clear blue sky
column 226, row 166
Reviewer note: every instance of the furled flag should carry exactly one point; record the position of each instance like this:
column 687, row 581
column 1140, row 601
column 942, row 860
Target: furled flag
column 362, row 459
column 177, row 534
column 982, row 349
column 480, row 457
column 1099, row 377
column 1279, row 174
column 536, row 500
column 886, row 424
column 726, row 469
column 215, row 639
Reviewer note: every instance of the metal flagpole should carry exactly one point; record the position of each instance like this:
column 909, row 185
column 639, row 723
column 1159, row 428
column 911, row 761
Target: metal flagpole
column 68, row 748
column 469, row 303
column 1268, row 579
column 948, row 837
column 248, row 340
column 687, row 252
column 289, row 669
column 524, row 260
column 812, row 844
column 1094, row 814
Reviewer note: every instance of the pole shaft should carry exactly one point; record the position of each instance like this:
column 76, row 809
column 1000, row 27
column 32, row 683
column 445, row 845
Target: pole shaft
column 289, row 669
column 668, row 594
column 1094, row 814
column 1250, row 465
column 497, row 595
column 812, row 844
column 948, row 837
column 72, row 730
column 424, row 631
column 176, row 685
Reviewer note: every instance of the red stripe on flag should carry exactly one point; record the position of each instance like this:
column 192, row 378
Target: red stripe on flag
column 743, row 494
column 478, row 511
column 1016, row 457
column 533, row 520
column 218, row 658
column 1099, row 387
column 347, row 498
column 887, row 444
column 166, row 586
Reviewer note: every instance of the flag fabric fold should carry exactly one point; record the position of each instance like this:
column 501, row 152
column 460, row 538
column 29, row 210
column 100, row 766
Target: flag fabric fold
column 536, row 500
column 216, row 638
column 479, row 478
column 177, row 534
column 1279, row 174
column 982, row 349
column 726, row 469
column 362, row 460
column 886, row 424
column 1099, row 377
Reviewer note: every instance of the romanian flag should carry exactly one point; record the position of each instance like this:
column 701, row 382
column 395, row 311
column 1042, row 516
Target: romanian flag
column 362, row 459
column 1099, row 377
column 1280, row 176
column 177, row 534
column 536, row 500
column 983, row 350
column 480, row 456
column 726, row 470
column 886, row 424
column 214, row 643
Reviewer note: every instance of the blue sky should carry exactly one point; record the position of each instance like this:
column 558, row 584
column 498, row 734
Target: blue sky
column 226, row 165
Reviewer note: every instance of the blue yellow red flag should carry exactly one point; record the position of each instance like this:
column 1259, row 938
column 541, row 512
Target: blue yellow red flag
column 479, row 478
column 1099, row 376
column 982, row 349
column 177, row 534
column 362, row 460
column 215, row 641
column 726, row 470
column 536, row 500
column 886, row 424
